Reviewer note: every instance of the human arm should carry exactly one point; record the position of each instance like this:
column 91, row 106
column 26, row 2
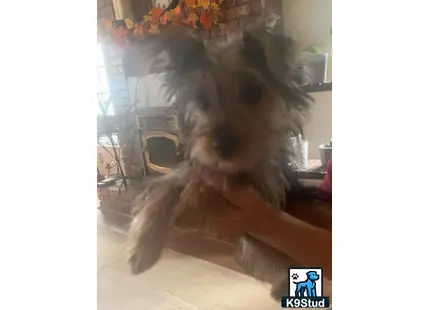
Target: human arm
column 306, row 243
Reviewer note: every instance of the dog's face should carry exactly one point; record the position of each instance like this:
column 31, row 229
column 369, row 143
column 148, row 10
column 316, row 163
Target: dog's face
column 234, row 105
column 230, row 117
column 312, row 275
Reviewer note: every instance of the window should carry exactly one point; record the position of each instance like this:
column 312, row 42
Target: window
column 104, row 99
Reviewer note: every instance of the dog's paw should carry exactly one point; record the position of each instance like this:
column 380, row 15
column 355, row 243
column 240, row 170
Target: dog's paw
column 140, row 261
column 295, row 276
column 145, row 243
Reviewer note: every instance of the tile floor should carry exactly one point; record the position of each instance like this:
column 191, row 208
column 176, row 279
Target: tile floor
column 177, row 282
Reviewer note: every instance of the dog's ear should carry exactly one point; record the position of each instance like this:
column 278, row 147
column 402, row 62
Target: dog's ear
column 273, row 55
column 176, row 49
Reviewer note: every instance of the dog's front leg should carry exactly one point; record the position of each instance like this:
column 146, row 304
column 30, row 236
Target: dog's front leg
column 309, row 291
column 265, row 263
column 148, row 233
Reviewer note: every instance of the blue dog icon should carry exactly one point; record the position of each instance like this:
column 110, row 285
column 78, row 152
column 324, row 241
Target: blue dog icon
column 308, row 285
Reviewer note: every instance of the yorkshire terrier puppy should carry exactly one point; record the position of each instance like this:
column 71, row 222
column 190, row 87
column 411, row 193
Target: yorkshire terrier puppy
column 236, row 106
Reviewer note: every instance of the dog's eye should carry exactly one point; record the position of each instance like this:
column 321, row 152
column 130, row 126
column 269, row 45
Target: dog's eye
column 203, row 101
column 251, row 93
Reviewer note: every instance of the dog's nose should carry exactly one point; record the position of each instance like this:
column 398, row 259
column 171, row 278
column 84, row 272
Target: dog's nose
column 224, row 141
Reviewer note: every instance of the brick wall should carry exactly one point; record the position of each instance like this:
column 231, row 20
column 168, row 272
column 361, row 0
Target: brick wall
column 238, row 15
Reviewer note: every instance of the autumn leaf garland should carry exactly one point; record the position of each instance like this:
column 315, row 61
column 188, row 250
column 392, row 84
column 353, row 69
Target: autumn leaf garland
column 200, row 14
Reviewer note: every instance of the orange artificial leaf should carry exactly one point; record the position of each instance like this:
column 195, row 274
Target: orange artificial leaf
column 190, row 3
column 214, row 5
column 214, row 13
column 170, row 15
column 154, row 20
column 156, row 12
column 163, row 20
column 205, row 20
column 192, row 18
column 204, row 3
column 154, row 28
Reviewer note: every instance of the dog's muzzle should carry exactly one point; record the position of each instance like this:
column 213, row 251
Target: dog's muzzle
column 224, row 141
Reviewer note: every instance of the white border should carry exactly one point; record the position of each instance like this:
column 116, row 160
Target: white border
column 48, row 155
column 380, row 131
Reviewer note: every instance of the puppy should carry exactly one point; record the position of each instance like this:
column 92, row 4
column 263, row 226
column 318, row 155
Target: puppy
column 237, row 104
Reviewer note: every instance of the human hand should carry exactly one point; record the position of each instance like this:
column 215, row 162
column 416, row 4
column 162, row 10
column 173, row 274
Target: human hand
column 249, row 213
column 216, row 217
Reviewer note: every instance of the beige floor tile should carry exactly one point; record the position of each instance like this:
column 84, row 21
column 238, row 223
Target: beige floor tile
column 178, row 281
column 119, row 291
column 110, row 247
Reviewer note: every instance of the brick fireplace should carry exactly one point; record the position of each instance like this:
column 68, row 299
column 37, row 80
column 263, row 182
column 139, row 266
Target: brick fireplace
column 238, row 15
